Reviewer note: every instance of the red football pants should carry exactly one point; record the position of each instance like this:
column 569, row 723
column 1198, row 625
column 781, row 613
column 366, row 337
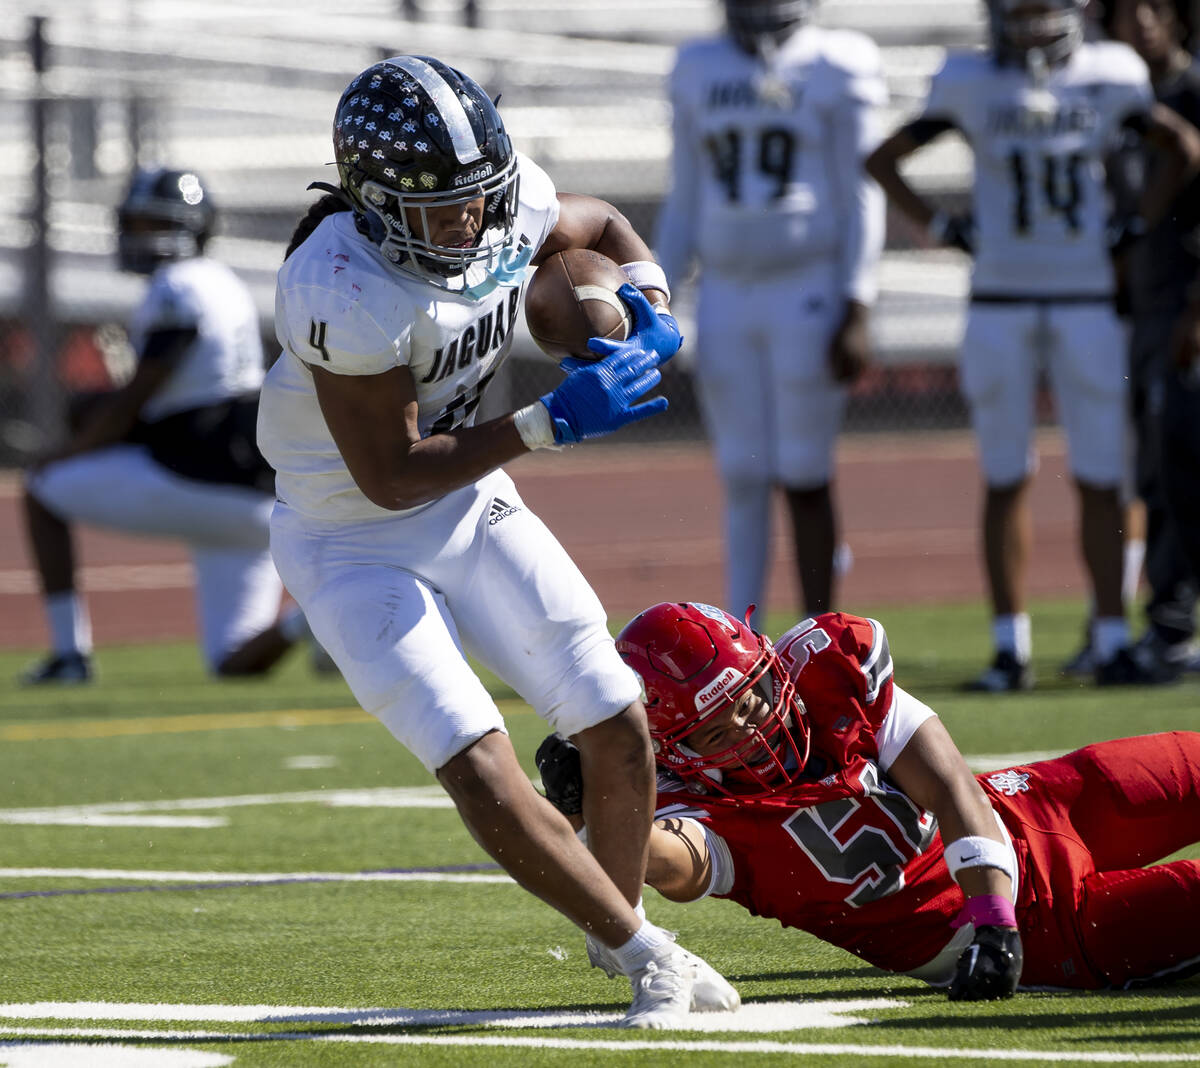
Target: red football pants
column 1090, row 914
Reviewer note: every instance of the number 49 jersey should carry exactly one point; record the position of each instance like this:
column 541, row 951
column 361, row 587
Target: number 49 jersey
column 841, row 853
column 1040, row 201
column 766, row 171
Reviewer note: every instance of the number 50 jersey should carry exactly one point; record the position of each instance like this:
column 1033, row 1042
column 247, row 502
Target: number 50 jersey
column 842, row 852
column 1040, row 201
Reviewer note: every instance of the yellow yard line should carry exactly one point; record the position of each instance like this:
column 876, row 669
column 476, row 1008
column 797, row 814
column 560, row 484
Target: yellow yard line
column 201, row 721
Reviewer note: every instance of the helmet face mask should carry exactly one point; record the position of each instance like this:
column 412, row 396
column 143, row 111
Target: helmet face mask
column 165, row 215
column 412, row 136
column 712, row 681
column 1019, row 28
column 757, row 25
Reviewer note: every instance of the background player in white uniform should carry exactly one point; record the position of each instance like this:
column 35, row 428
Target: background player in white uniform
column 1043, row 111
column 398, row 533
column 172, row 452
column 771, row 124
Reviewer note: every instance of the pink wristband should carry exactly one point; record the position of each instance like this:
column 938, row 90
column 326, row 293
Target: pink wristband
column 986, row 910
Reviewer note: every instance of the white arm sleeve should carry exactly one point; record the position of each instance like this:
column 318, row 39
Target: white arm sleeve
column 899, row 725
column 855, row 135
column 719, row 857
column 674, row 243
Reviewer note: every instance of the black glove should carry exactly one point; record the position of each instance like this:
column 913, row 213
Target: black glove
column 557, row 761
column 990, row 967
column 957, row 231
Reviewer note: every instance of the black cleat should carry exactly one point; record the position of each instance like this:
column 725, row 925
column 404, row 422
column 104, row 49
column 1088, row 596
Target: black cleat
column 60, row 669
column 1128, row 669
column 1007, row 674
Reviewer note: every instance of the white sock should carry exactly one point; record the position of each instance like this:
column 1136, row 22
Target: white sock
column 1013, row 634
column 1110, row 634
column 70, row 624
column 1131, row 575
column 631, row 954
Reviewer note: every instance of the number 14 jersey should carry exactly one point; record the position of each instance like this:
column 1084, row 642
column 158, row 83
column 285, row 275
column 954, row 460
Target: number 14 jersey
column 1040, row 200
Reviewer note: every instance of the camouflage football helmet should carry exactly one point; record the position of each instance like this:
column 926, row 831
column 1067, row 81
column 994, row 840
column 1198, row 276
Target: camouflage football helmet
column 411, row 134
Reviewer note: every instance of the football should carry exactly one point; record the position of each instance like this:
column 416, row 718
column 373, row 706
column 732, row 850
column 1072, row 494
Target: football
column 573, row 297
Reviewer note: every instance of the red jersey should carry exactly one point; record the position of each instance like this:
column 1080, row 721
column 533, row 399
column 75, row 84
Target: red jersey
column 847, row 857
column 840, row 853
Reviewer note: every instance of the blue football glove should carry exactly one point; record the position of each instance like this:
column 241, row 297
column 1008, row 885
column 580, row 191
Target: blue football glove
column 596, row 396
column 654, row 332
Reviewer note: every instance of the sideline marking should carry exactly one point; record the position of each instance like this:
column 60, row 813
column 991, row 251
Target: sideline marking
column 205, row 878
column 829, row 1049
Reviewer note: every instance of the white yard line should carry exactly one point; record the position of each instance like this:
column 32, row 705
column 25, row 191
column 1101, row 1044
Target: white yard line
column 761, row 1046
column 138, row 876
column 758, row 1017
column 136, row 813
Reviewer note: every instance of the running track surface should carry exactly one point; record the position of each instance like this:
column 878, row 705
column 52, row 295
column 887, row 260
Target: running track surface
column 644, row 525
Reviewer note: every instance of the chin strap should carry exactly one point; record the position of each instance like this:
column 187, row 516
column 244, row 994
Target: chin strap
column 511, row 270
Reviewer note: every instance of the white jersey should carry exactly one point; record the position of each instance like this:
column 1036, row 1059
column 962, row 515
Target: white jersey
column 1040, row 202
column 767, row 167
column 226, row 359
column 341, row 305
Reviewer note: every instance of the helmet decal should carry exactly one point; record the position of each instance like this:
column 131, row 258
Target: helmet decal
column 727, row 680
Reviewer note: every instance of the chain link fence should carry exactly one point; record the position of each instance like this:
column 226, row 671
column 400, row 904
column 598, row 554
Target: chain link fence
column 244, row 94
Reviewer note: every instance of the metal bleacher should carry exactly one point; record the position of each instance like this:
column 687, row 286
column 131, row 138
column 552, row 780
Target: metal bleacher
column 244, row 92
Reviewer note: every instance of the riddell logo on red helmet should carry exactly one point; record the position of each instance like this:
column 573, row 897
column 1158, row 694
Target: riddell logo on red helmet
column 721, row 685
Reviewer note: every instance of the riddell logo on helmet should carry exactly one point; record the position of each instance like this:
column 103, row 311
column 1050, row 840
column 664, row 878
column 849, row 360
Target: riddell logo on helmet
column 723, row 683
column 471, row 177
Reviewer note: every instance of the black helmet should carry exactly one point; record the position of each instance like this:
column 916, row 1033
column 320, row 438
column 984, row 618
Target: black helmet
column 165, row 215
column 753, row 22
column 1021, row 27
column 411, row 132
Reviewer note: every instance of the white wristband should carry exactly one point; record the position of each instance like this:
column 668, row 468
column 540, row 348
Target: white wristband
column 534, row 425
column 646, row 274
column 975, row 851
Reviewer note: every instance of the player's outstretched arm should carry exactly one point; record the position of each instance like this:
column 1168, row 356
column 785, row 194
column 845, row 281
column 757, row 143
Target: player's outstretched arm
column 679, row 865
column 932, row 772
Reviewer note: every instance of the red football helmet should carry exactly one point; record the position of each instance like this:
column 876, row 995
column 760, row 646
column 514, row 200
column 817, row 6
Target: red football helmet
column 695, row 660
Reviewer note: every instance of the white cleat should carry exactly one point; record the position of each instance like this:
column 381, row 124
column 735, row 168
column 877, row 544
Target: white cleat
column 710, row 991
column 662, row 990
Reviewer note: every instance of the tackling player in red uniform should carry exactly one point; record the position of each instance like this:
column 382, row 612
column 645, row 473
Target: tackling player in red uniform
column 799, row 780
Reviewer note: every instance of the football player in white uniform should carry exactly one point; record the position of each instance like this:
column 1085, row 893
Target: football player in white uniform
column 1043, row 111
column 171, row 453
column 396, row 529
column 771, row 123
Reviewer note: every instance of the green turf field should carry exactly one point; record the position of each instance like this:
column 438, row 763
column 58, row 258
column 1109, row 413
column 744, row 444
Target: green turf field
column 196, row 873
